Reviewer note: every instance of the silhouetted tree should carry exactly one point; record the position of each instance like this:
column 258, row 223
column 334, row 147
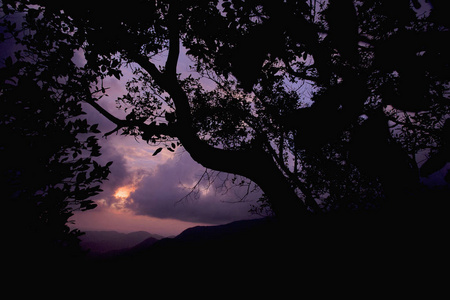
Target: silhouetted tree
column 326, row 105
column 47, row 149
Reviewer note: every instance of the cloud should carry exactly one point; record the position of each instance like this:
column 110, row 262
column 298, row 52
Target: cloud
column 120, row 175
column 162, row 194
column 154, row 185
column 157, row 186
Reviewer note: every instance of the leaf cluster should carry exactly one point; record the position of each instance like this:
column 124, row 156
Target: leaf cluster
column 47, row 149
column 340, row 94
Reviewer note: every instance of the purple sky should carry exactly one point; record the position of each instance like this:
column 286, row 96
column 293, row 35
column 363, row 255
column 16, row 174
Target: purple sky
column 145, row 192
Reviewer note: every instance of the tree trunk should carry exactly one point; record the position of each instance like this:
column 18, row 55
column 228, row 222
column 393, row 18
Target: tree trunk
column 285, row 203
column 376, row 153
column 253, row 163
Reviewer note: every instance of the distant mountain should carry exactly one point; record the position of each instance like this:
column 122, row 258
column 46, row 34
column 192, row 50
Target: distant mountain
column 100, row 242
column 238, row 230
column 253, row 247
column 232, row 241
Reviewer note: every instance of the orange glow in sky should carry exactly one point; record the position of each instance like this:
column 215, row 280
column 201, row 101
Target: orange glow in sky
column 114, row 215
column 124, row 192
column 122, row 196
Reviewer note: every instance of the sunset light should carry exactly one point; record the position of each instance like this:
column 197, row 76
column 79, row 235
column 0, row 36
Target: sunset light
column 124, row 192
column 222, row 137
column 122, row 195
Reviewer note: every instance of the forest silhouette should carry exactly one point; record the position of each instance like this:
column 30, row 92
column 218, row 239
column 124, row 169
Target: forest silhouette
column 336, row 110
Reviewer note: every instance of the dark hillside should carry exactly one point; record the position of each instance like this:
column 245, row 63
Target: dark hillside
column 99, row 242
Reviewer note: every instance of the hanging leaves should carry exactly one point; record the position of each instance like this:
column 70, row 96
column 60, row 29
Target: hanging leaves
column 157, row 151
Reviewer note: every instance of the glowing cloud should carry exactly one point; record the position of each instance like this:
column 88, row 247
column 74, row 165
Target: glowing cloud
column 124, row 192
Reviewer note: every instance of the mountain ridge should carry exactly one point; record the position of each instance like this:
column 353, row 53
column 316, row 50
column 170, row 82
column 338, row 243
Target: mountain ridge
column 100, row 242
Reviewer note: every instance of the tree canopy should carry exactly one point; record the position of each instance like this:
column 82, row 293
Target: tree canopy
column 325, row 105
column 47, row 150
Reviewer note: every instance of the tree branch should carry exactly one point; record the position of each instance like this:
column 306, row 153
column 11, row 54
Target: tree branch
column 412, row 126
column 174, row 41
column 301, row 75
column 309, row 198
column 148, row 130
column 245, row 162
column 90, row 100
column 148, row 66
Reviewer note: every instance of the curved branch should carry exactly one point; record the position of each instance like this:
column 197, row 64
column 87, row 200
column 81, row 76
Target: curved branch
column 174, row 41
column 148, row 130
column 301, row 75
column 90, row 100
column 245, row 162
column 309, row 198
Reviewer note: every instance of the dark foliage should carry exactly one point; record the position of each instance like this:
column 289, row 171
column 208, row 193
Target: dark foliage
column 47, row 150
column 325, row 105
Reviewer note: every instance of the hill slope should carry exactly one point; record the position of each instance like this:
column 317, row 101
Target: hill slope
column 99, row 242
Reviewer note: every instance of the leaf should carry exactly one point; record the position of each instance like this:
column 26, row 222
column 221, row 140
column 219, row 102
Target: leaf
column 81, row 177
column 87, row 205
column 117, row 74
column 174, row 146
column 157, row 151
column 94, row 128
column 114, row 63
